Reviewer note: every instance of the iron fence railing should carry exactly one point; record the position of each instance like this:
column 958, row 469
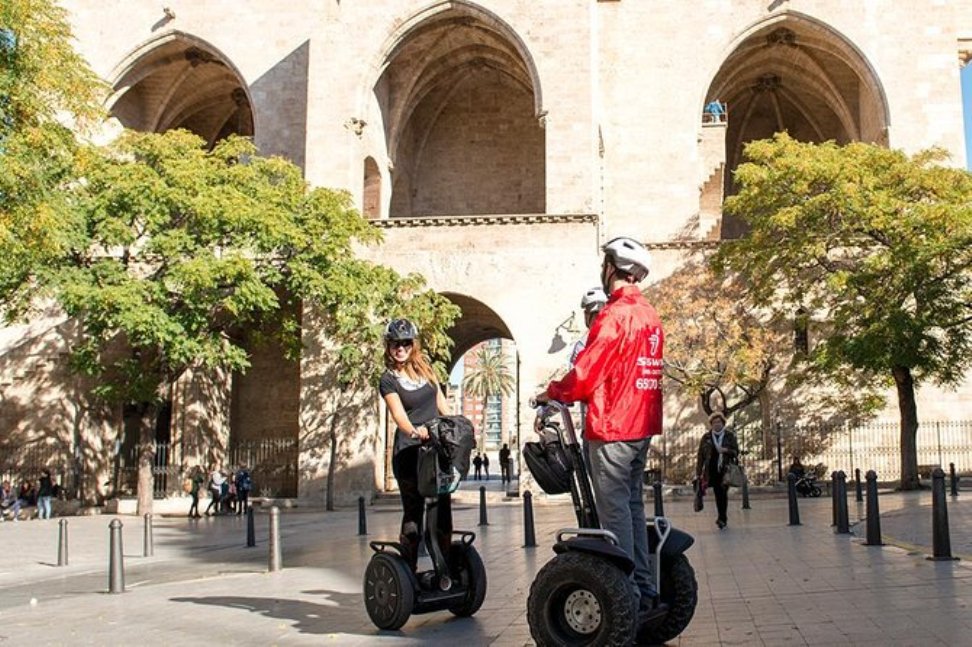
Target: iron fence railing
column 870, row 446
column 19, row 463
column 272, row 463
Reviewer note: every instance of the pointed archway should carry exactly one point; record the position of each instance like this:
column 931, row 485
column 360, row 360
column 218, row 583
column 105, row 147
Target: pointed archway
column 796, row 74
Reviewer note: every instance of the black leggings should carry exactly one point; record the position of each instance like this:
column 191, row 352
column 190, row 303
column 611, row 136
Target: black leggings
column 405, row 469
column 721, row 494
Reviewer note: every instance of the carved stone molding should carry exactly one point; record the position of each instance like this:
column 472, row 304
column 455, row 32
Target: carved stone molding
column 473, row 221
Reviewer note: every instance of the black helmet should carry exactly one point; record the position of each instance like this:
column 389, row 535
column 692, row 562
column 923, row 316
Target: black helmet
column 548, row 463
column 400, row 329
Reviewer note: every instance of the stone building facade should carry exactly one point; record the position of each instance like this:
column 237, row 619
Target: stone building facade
column 497, row 143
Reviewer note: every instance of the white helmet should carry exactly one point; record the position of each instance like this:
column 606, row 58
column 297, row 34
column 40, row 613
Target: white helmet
column 594, row 299
column 629, row 256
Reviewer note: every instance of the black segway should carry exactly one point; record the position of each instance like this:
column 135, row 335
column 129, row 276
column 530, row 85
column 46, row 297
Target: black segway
column 584, row 596
column 457, row 581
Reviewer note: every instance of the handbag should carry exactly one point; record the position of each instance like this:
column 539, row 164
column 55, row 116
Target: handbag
column 734, row 476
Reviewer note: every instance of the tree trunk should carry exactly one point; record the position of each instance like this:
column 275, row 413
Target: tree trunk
column 331, row 465
column 909, row 427
column 766, row 427
column 146, row 459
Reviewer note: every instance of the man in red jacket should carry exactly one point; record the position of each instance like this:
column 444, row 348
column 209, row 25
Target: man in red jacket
column 618, row 376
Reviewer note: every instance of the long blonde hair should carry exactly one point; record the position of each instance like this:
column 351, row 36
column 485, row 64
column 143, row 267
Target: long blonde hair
column 416, row 367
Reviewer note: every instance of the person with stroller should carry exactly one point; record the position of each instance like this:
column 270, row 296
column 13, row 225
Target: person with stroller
column 411, row 390
column 244, row 483
column 619, row 377
column 717, row 448
column 797, row 469
column 216, row 483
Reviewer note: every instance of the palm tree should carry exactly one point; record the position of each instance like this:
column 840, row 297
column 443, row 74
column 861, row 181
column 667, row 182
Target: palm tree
column 490, row 377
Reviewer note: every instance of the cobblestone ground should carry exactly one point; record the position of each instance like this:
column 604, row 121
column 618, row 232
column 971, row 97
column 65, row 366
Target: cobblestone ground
column 761, row 582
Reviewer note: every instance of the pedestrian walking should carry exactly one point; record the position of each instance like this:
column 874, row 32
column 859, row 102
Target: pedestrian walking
column 45, row 492
column 196, row 481
column 717, row 448
column 486, row 465
column 504, row 459
column 478, row 465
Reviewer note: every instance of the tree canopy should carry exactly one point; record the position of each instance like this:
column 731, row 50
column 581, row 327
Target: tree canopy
column 876, row 243
column 47, row 94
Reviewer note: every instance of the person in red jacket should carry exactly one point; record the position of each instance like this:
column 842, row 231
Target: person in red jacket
column 618, row 376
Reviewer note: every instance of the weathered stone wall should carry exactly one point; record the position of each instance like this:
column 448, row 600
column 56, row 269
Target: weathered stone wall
column 618, row 88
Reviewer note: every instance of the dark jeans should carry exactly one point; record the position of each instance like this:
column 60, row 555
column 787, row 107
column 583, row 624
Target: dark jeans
column 405, row 469
column 194, row 508
column 242, row 501
column 214, row 502
column 721, row 495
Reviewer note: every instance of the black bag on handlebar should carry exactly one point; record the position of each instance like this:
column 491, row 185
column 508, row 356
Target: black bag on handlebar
column 548, row 463
column 445, row 461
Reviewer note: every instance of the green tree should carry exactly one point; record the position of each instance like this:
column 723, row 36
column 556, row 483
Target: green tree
column 490, row 377
column 176, row 252
column 875, row 241
column 47, row 93
column 730, row 354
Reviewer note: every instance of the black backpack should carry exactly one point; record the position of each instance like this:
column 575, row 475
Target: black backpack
column 445, row 461
column 549, row 463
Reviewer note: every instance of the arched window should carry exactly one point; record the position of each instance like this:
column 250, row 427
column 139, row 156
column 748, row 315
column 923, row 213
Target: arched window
column 371, row 195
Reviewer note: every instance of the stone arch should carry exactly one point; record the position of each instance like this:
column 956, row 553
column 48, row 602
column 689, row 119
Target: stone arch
column 495, row 417
column 790, row 72
column 459, row 98
column 180, row 81
column 371, row 191
column 477, row 323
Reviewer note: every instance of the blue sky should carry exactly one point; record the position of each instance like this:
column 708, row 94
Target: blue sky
column 967, row 111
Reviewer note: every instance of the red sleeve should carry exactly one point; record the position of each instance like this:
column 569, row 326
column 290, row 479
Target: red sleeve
column 592, row 364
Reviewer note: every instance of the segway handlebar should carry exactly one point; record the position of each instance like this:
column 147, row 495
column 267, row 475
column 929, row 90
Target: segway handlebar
column 549, row 408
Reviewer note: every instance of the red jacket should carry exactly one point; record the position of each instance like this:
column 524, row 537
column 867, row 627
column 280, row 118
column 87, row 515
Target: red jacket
column 619, row 373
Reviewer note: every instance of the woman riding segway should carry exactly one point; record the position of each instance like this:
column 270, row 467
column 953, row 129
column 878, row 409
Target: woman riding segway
column 431, row 455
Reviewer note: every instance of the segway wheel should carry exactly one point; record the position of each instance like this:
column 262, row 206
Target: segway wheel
column 467, row 570
column 581, row 599
column 389, row 591
column 815, row 491
column 680, row 592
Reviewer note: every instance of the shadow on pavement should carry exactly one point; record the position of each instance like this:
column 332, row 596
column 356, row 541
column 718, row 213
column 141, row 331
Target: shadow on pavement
column 338, row 613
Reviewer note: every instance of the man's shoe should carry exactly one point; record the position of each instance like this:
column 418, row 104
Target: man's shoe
column 721, row 524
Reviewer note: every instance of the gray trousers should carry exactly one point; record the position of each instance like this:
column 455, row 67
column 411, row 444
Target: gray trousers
column 617, row 469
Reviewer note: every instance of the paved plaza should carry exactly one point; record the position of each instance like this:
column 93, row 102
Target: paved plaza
column 761, row 582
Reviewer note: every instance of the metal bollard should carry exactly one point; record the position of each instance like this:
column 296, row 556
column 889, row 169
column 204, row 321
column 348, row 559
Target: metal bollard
column 529, row 534
column 62, row 542
column 745, row 494
column 148, row 544
column 116, row 558
column 857, row 484
column 954, row 479
column 250, row 528
column 833, row 497
column 843, row 519
column 792, row 496
column 362, row 521
column 941, row 542
column 276, row 555
column 482, row 506
column 659, row 504
column 873, row 514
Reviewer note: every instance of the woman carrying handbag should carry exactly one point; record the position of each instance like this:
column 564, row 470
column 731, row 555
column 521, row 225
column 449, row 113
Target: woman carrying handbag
column 718, row 454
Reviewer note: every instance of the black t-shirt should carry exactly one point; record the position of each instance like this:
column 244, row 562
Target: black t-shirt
column 418, row 399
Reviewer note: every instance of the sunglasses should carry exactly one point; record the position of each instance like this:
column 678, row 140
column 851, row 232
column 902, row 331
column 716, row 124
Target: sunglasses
column 402, row 343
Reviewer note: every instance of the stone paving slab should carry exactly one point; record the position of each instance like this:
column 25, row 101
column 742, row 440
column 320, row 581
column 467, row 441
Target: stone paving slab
column 761, row 582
